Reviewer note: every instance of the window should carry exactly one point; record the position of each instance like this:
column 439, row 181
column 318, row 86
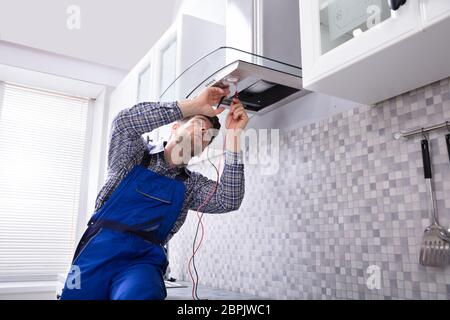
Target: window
column 42, row 147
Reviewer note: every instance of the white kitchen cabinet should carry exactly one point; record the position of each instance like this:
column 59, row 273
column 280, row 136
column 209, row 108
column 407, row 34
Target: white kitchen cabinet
column 335, row 33
column 365, row 52
column 434, row 11
column 186, row 40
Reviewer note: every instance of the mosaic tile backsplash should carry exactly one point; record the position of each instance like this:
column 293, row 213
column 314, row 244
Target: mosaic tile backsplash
column 347, row 198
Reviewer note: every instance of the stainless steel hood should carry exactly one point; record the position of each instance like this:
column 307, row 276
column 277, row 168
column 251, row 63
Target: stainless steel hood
column 262, row 83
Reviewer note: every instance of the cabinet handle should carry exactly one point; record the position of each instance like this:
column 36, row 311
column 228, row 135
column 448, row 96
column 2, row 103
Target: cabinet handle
column 396, row 4
column 447, row 140
column 426, row 159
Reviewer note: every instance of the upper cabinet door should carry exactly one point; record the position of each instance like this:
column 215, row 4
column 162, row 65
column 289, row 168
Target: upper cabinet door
column 168, row 58
column 144, row 84
column 336, row 33
column 434, row 11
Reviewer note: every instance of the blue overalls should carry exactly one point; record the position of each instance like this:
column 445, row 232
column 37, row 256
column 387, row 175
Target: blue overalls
column 121, row 255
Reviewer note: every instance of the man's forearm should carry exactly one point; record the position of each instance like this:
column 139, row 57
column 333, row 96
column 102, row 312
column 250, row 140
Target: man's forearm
column 188, row 107
column 144, row 117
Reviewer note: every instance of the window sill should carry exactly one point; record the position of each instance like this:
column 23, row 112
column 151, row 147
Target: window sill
column 27, row 287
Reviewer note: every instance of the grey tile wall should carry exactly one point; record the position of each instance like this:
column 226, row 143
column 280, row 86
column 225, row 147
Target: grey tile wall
column 347, row 196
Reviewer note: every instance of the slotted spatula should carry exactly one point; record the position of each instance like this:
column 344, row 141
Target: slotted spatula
column 435, row 250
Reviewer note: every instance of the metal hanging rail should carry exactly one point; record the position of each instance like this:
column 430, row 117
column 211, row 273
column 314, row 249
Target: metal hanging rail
column 408, row 134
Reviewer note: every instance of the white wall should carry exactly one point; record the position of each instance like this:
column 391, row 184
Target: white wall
column 239, row 24
column 95, row 177
column 114, row 33
column 27, row 58
column 211, row 10
column 39, row 290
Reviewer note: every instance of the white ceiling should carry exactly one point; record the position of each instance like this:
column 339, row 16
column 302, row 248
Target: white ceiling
column 115, row 33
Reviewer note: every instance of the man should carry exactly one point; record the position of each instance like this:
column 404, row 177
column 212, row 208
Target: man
column 148, row 192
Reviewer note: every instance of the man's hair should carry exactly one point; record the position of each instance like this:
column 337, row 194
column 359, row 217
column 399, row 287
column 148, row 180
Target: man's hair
column 215, row 123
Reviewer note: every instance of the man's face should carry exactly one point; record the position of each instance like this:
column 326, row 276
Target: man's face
column 195, row 135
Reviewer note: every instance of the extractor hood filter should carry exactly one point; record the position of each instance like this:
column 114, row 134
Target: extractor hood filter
column 262, row 83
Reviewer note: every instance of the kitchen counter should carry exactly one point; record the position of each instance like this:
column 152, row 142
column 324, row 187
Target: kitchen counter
column 204, row 292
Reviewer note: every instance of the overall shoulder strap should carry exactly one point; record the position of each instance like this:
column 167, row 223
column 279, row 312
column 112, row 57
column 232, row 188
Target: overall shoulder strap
column 145, row 162
column 182, row 176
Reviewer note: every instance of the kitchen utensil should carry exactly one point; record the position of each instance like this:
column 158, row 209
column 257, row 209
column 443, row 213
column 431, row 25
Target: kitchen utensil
column 435, row 250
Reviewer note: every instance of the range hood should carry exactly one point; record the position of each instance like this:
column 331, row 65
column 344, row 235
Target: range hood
column 263, row 84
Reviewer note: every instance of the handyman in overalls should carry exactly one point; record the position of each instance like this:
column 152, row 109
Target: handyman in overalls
column 148, row 193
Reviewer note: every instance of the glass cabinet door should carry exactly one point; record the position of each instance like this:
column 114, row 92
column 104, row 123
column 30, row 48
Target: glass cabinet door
column 339, row 33
column 342, row 20
column 144, row 83
column 168, row 67
column 434, row 10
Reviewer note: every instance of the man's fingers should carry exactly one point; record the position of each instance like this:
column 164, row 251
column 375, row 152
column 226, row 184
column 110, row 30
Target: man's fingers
column 238, row 107
column 226, row 91
column 236, row 101
column 219, row 92
column 238, row 113
column 219, row 110
column 218, row 95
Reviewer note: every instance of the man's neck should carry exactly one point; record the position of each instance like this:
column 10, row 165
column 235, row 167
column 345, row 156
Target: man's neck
column 168, row 155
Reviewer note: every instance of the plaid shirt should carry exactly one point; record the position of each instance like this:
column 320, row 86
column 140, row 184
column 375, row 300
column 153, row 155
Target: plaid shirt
column 127, row 147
